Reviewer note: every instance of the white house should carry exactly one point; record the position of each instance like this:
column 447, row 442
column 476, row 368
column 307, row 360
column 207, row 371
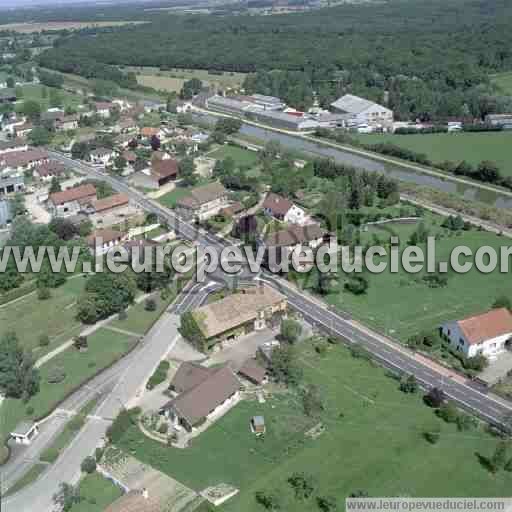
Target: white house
column 283, row 209
column 101, row 241
column 101, row 156
column 25, row 432
column 203, row 202
column 362, row 111
column 486, row 334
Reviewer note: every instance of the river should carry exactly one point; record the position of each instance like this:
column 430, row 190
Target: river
column 467, row 191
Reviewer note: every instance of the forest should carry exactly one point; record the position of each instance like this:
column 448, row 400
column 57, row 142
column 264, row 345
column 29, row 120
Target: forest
column 432, row 57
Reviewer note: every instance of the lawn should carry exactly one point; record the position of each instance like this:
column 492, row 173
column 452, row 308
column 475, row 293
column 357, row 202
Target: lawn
column 161, row 83
column 42, row 94
column 97, row 494
column 171, row 198
column 105, row 346
column 472, row 147
column 504, row 81
column 402, row 304
column 373, row 441
column 241, row 156
column 30, row 317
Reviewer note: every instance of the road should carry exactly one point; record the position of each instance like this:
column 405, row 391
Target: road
column 120, row 385
column 139, row 366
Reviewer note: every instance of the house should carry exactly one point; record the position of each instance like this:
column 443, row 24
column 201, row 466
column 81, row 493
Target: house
column 69, row 202
column 163, row 171
column 203, row 202
column 23, row 130
column 112, row 211
column 232, row 210
column 49, row 170
column 101, row 241
column 294, row 236
column 103, row 108
column 110, row 203
column 11, row 183
column 283, row 209
column 252, row 371
column 101, row 156
column 487, row 334
column 52, row 116
column 24, row 160
column 12, row 145
column 362, row 111
column 202, row 394
column 258, row 425
column 501, row 120
column 25, row 432
column 268, row 102
column 69, row 122
column 250, row 309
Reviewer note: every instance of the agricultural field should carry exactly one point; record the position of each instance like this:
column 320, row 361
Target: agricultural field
column 173, row 80
column 30, row 317
column 402, row 304
column 455, row 147
column 28, row 28
column 503, row 81
column 373, row 441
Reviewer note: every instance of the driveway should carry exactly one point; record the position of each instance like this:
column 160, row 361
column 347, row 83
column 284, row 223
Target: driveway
column 242, row 349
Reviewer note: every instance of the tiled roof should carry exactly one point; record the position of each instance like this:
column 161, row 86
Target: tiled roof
column 106, row 235
column 73, row 194
column 202, row 195
column 164, row 168
column 50, row 168
column 479, row 328
column 294, row 235
column 23, row 158
column 278, row 205
column 107, row 203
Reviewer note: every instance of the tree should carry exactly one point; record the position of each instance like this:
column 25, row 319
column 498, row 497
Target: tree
column 409, row 384
column 43, row 293
column 499, row 457
column 54, row 186
column 191, row 330
column 44, row 340
column 80, row 342
column 150, row 305
column 10, row 82
column 302, row 484
column 88, row 465
column 191, row 88
column 18, row 377
column 312, row 401
column 326, row 503
column 31, row 109
column 357, row 285
column 502, row 302
column 67, row 497
column 123, row 421
column 186, row 171
column 290, row 330
column 268, row 500
column 155, row 143
column 119, row 164
column 228, row 125
column 63, row 228
column 284, row 367
column 40, row 136
column 448, row 412
column 434, row 398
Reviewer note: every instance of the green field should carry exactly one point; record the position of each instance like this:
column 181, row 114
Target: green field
column 171, row 198
column 97, row 494
column 105, row 346
column 503, row 81
column 36, row 92
column 241, row 156
column 455, row 147
column 373, row 441
column 30, row 317
column 401, row 304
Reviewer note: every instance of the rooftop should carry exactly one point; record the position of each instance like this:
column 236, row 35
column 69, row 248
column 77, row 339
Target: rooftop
column 235, row 309
column 107, row 203
column 73, row 194
column 279, row 205
column 479, row 328
column 353, row 104
column 203, row 194
column 294, row 235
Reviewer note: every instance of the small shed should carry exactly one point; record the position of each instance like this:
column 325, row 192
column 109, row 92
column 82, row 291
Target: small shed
column 258, row 425
column 25, row 432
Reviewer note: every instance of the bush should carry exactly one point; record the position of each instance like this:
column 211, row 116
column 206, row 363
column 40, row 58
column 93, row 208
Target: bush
column 150, row 305
column 290, row 330
column 125, row 419
column 43, row 293
column 44, row 340
column 123, row 315
column 433, row 434
column 356, row 285
column 30, row 410
column 163, row 428
column 448, row 412
column 409, row 384
column 435, row 398
column 80, row 342
column 88, row 465
column 56, row 375
column 466, row 422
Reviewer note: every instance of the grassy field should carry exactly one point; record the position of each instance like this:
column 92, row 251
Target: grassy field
column 402, row 304
column 97, row 494
column 373, row 441
column 172, row 80
column 242, row 157
column 36, row 92
column 171, row 198
column 504, row 81
column 105, row 346
column 27, row 28
column 30, row 317
column 455, row 147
